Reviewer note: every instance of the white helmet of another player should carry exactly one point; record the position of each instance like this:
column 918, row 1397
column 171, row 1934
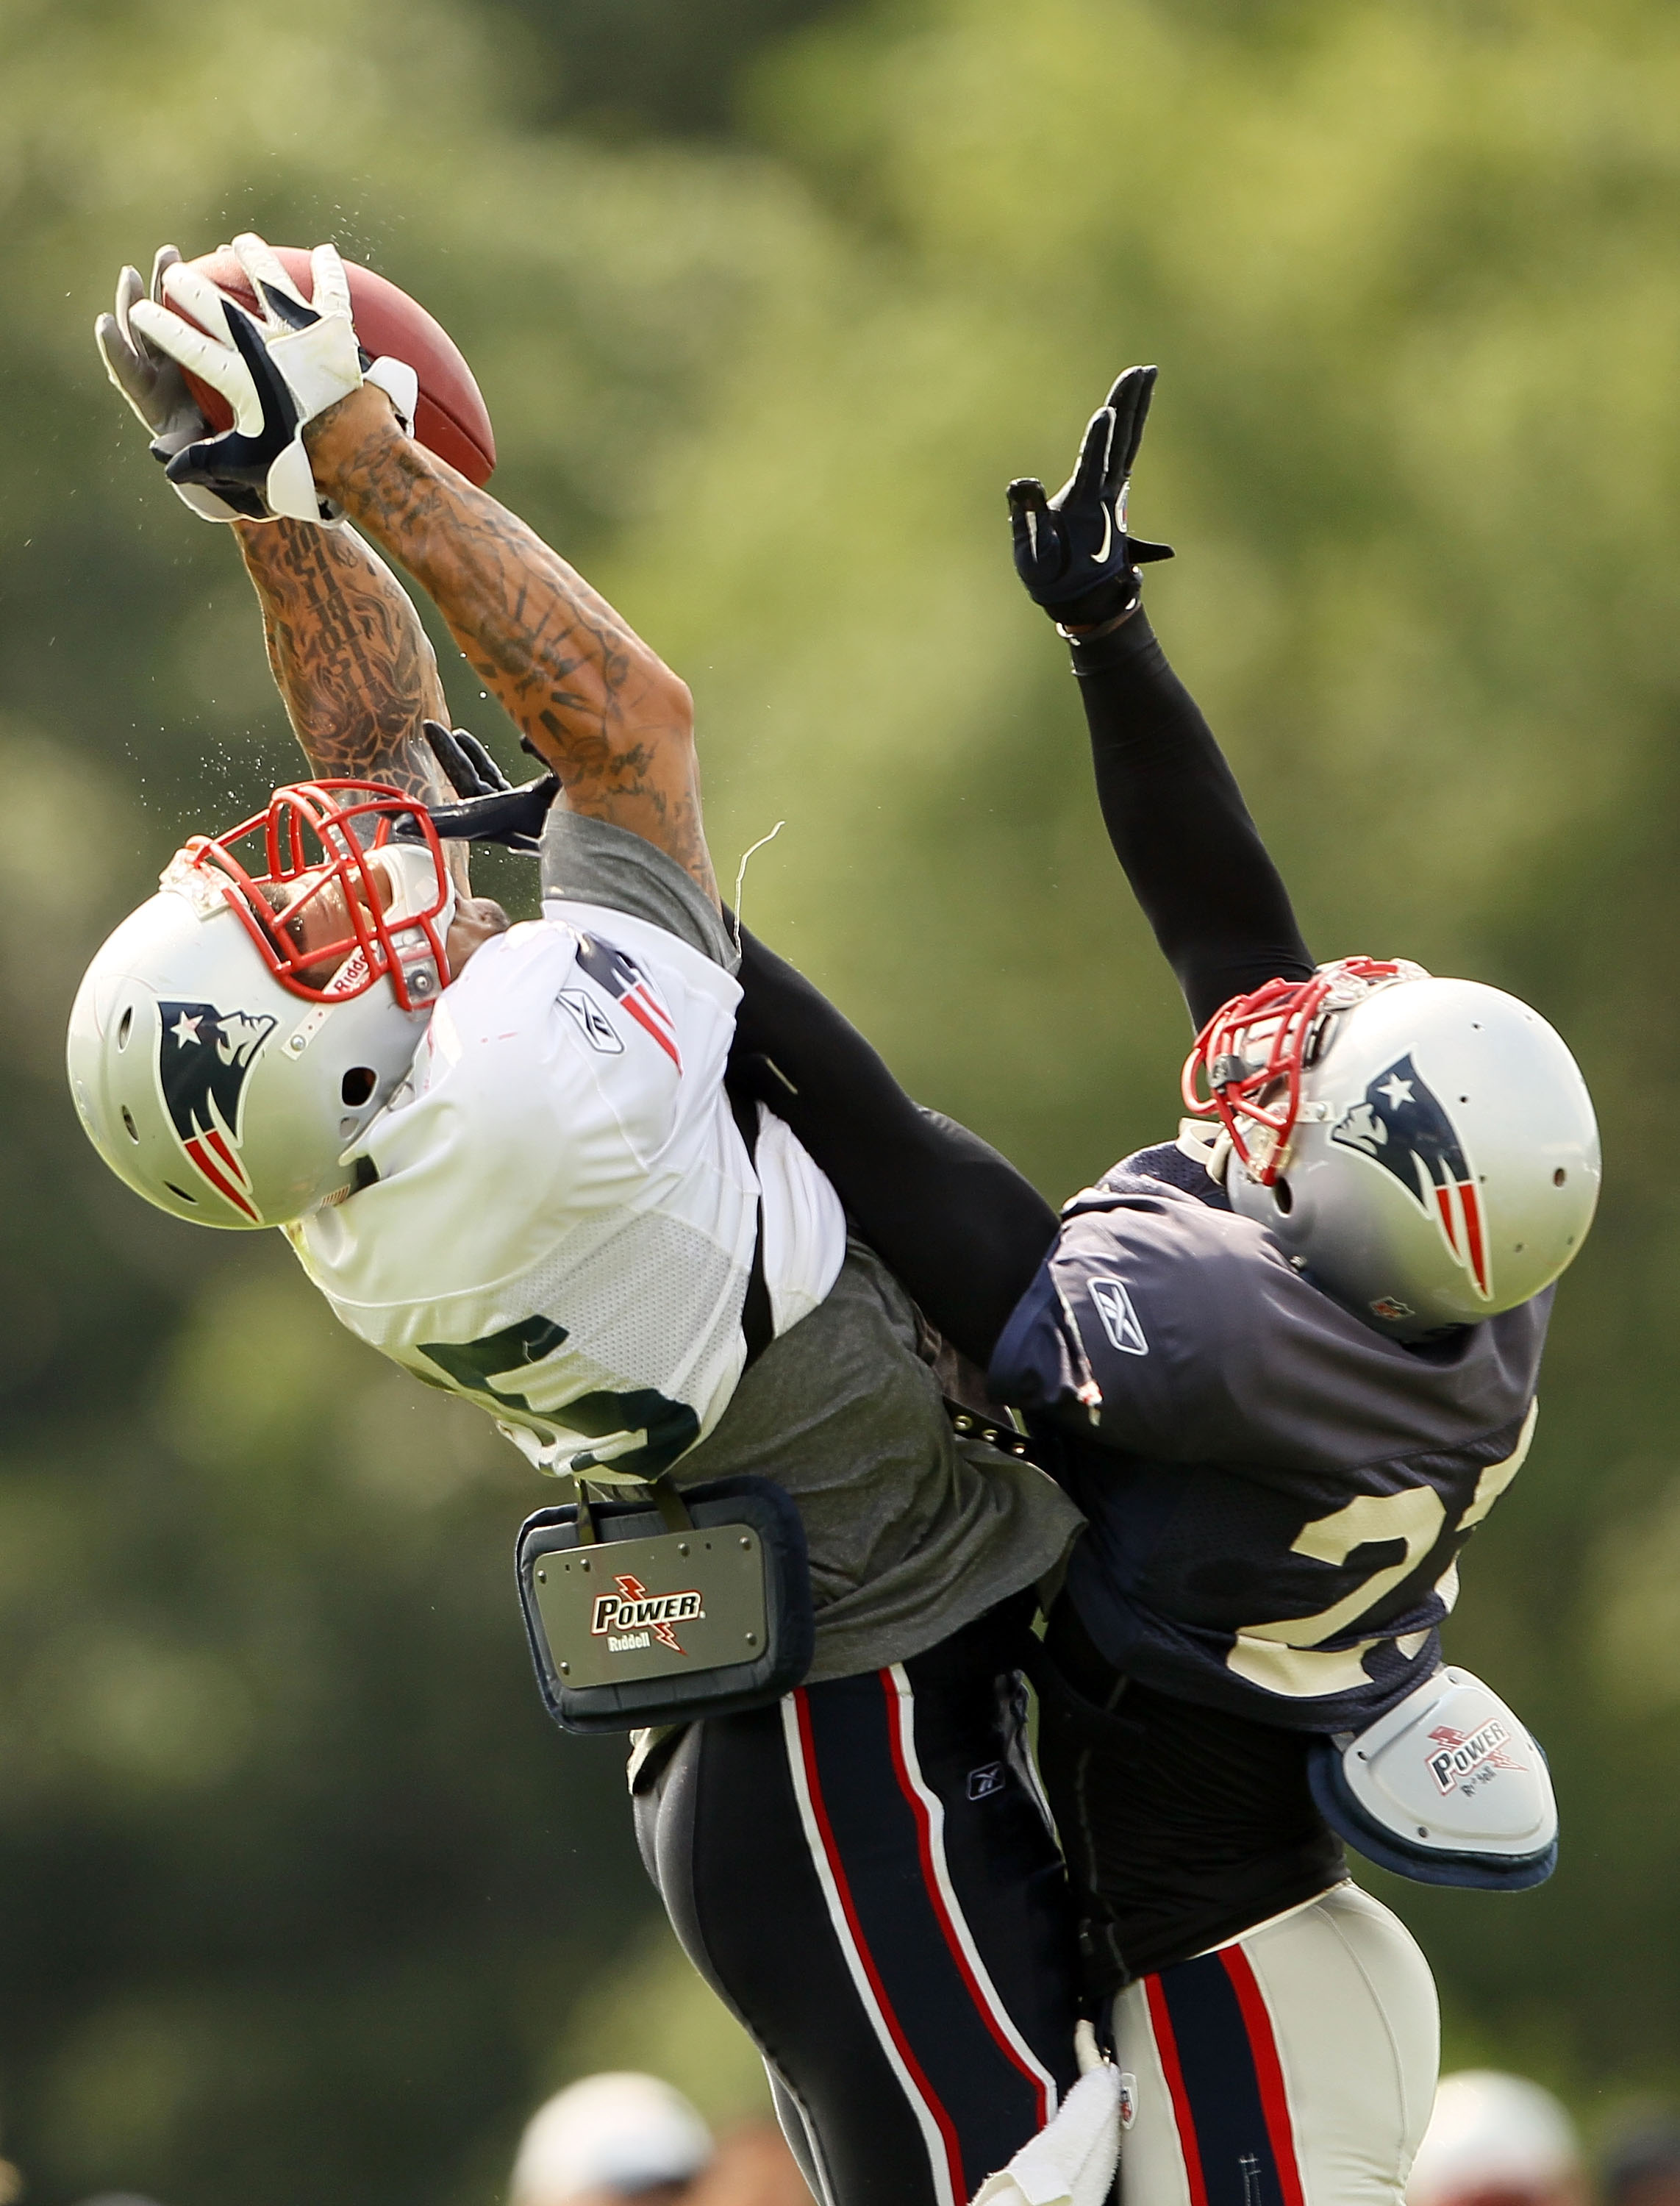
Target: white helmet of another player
column 232, row 1041
column 1496, row 2140
column 1425, row 1149
column 620, row 2132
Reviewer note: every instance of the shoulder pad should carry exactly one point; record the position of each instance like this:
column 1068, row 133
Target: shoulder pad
column 1448, row 1787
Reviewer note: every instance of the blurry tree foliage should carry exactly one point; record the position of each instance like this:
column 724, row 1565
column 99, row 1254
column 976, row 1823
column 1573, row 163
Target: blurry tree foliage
column 301, row 1898
column 637, row 68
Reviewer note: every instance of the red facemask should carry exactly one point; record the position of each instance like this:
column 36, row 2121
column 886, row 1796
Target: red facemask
column 1253, row 1049
column 346, row 932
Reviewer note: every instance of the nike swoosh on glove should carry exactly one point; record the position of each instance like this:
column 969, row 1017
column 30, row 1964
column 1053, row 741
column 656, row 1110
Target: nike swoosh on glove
column 1073, row 552
column 262, row 455
column 276, row 373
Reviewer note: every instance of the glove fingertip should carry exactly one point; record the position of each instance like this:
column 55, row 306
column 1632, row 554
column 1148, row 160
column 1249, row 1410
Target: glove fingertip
column 486, row 766
column 1092, row 466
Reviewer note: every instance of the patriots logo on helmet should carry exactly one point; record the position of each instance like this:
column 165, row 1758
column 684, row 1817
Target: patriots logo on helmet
column 1402, row 1125
column 624, row 980
column 204, row 1060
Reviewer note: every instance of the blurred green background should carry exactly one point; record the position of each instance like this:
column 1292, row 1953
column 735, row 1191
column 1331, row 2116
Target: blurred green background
column 300, row 1898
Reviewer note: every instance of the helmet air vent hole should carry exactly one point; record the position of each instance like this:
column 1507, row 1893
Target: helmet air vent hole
column 1284, row 1196
column 182, row 1193
column 133, row 1130
column 124, row 1027
column 1559, row 1176
column 358, row 1085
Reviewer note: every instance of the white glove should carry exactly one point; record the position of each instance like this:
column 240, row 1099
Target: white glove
column 313, row 341
column 154, row 386
column 277, row 374
column 1071, row 2162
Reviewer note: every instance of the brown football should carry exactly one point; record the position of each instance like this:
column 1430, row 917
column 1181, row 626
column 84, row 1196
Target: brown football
column 451, row 417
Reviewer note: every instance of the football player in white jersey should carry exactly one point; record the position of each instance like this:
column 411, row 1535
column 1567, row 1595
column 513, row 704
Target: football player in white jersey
column 506, row 1157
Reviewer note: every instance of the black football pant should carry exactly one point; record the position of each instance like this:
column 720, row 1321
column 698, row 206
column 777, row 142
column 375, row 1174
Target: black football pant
column 865, row 1873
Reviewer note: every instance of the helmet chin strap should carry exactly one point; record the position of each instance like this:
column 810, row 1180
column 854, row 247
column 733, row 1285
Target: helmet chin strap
column 1210, row 1147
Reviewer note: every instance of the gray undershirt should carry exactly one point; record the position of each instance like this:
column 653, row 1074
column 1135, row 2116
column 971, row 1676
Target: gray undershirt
column 912, row 1533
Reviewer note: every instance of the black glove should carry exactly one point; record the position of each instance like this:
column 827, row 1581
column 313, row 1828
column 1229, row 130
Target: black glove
column 1072, row 552
column 490, row 810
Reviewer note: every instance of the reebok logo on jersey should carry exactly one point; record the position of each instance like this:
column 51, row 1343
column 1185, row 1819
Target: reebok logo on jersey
column 599, row 1030
column 1458, row 1757
column 1114, row 1308
column 1402, row 1126
column 618, row 974
column 204, row 1060
column 986, row 1780
column 632, row 1617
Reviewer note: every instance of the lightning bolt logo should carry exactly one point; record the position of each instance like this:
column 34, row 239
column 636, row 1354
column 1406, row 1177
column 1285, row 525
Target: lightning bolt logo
column 633, row 1589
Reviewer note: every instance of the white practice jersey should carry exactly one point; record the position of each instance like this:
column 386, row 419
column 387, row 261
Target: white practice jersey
column 563, row 1226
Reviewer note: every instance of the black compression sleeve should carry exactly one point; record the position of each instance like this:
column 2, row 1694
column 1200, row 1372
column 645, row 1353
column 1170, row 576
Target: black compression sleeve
column 1179, row 826
column 953, row 1220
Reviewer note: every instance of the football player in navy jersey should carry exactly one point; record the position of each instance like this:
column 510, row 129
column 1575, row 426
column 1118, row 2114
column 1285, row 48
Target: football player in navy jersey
column 1286, row 1363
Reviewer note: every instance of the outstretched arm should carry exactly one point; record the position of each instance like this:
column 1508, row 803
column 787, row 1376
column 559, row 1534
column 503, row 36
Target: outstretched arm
column 957, row 1224
column 350, row 658
column 604, row 710
column 1179, row 827
column 1172, row 808
column 346, row 647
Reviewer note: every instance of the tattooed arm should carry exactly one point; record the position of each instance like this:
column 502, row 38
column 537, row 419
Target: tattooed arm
column 606, row 712
column 346, row 650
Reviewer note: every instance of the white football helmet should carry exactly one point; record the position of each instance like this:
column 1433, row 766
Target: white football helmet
column 1425, row 1149
column 233, row 1039
column 1494, row 2137
column 621, row 2132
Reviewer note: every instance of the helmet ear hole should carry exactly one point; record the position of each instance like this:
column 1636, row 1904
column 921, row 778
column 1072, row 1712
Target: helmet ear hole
column 125, row 1027
column 358, row 1085
column 1284, row 1196
column 129, row 1127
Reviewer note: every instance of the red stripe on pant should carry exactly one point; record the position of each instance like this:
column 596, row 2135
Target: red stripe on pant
column 837, row 1869
column 936, row 1899
column 1268, row 2070
column 1166, row 2044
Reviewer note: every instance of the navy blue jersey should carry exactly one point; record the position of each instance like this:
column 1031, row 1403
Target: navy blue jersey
column 1276, row 1495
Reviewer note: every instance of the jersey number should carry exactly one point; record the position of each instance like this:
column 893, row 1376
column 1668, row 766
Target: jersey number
column 473, row 1366
column 1289, row 1656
